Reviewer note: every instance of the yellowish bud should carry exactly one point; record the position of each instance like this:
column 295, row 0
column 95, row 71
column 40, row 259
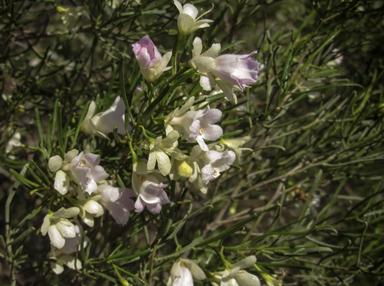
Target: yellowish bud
column 183, row 168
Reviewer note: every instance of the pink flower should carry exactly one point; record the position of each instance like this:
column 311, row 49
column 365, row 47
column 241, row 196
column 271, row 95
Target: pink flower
column 149, row 188
column 232, row 70
column 197, row 125
column 118, row 201
column 151, row 63
column 85, row 171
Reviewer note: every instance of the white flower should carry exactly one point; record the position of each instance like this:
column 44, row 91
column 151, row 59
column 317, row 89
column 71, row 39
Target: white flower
column 161, row 149
column 235, row 276
column 58, row 227
column 148, row 188
column 118, row 201
column 187, row 22
column 55, row 163
column 216, row 162
column 235, row 144
column 195, row 126
column 71, row 245
column 182, row 272
column 85, row 171
column 89, row 209
column 103, row 123
column 239, row 70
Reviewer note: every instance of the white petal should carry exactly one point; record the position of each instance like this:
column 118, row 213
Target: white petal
column 66, row 228
column 55, row 163
column 62, row 182
column 46, row 224
column 197, row 47
column 56, row 267
column 55, row 236
column 163, row 163
column 213, row 51
column 244, row 278
column 70, row 155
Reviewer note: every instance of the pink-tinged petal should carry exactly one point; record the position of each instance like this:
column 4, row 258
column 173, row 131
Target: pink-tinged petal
column 206, row 173
column 212, row 132
column 139, row 205
column 212, row 116
column 98, row 173
column 163, row 197
column 91, row 159
column 202, row 143
column 154, row 208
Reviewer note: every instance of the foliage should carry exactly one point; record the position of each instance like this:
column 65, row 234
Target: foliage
column 307, row 200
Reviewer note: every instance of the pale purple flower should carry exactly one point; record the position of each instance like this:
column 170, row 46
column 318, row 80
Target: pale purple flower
column 151, row 63
column 238, row 70
column 86, row 171
column 118, row 201
column 195, row 126
column 149, row 189
column 103, row 123
column 215, row 163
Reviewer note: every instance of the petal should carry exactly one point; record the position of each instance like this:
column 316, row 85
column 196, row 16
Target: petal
column 246, row 262
column 190, row 10
column 184, row 24
column 46, row 224
column 207, row 82
column 62, row 182
column 163, row 163
column 66, row 228
column 151, row 161
column 55, row 236
column 139, row 205
column 94, row 208
column 178, row 6
column 197, row 47
column 54, row 163
column 213, row 51
column 244, row 278
column 154, row 208
column 70, row 155
column 57, row 268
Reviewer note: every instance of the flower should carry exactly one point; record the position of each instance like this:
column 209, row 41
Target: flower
column 71, row 245
column 149, row 189
column 103, row 122
column 234, row 276
column 56, row 164
column 85, row 171
column 186, row 22
column 90, row 208
column 182, row 272
column 151, row 63
column 216, row 162
column 233, row 70
column 118, row 201
column 160, row 149
column 196, row 125
column 235, row 144
column 58, row 227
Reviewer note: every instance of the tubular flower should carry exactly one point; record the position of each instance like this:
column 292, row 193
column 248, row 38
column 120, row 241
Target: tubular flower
column 151, row 63
column 182, row 272
column 103, row 123
column 187, row 22
column 216, row 162
column 233, row 70
column 149, row 189
column 118, row 201
column 58, row 227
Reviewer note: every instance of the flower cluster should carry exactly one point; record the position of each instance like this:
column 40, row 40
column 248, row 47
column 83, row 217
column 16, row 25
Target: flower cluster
column 188, row 147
